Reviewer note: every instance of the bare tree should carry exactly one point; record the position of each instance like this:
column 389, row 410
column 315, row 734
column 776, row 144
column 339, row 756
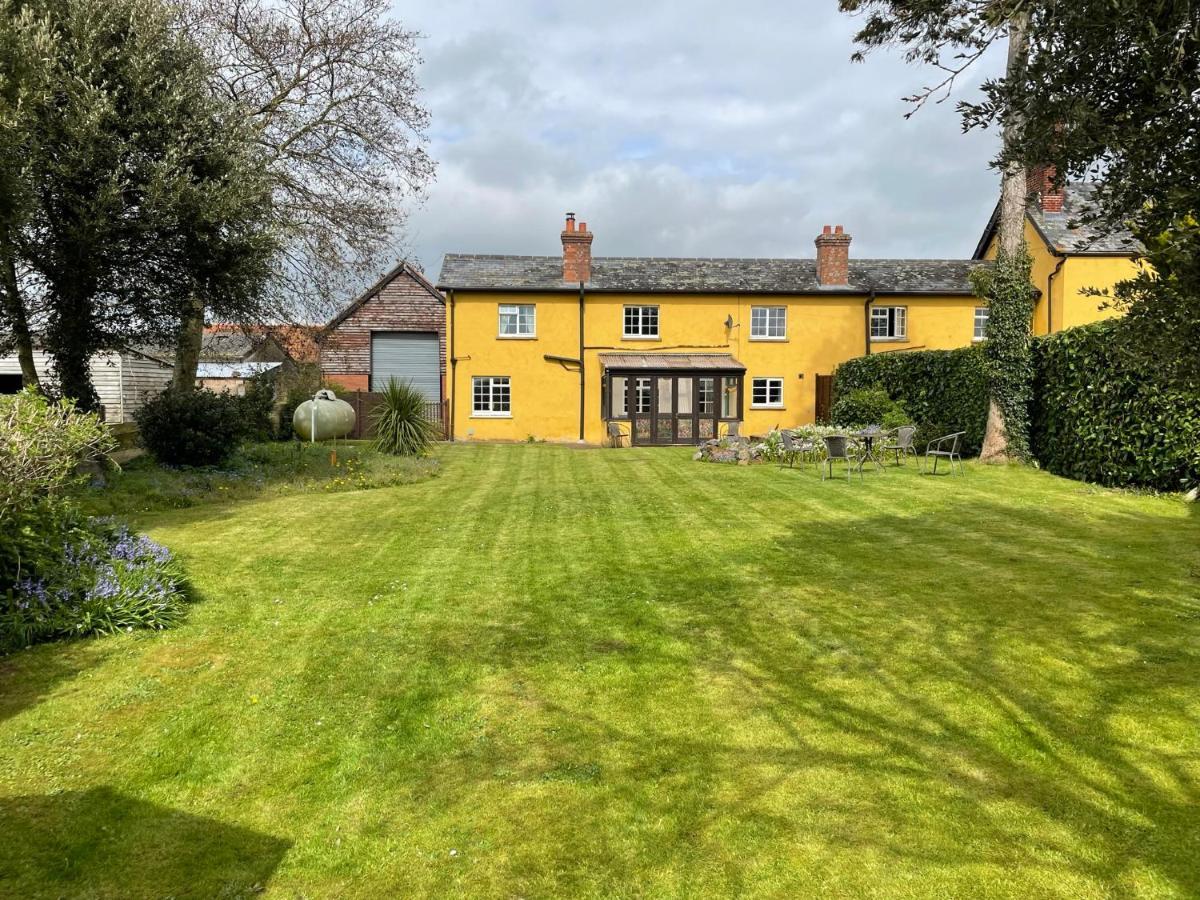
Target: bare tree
column 331, row 89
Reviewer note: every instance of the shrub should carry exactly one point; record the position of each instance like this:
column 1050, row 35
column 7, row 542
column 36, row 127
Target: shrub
column 401, row 426
column 106, row 580
column 256, row 406
column 192, row 428
column 1100, row 413
column 62, row 574
column 41, row 446
column 868, row 406
column 941, row 390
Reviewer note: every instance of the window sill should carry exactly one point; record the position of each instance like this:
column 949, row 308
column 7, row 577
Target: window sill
column 978, row 340
column 769, row 340
column 767, row 406
column 491, row 415
column 889, row 340
column 516, row 337
column 639, row 337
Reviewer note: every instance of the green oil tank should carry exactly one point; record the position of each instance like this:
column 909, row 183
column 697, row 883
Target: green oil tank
column 323, row 417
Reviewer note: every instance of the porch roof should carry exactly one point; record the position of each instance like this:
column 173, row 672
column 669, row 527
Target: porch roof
column 681, row 361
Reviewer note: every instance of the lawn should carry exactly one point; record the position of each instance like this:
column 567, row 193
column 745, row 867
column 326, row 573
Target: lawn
column 552, row 672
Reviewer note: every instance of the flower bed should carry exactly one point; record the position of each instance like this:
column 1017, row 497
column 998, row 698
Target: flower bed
column 745, row 451
column 108, row 579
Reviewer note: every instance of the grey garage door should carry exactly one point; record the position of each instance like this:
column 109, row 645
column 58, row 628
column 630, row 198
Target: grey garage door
column 407, row 356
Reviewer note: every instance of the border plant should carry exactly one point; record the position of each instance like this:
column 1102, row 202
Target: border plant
column 401, row 425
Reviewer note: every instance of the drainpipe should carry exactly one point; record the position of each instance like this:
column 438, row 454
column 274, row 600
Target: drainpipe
column 867, row 319
column 453, row 365
column 582, row 370
column 1050, row 295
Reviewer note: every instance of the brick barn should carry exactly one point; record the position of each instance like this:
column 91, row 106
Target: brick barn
column 395, row 329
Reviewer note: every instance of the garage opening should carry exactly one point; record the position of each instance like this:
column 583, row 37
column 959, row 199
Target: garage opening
column 407, row 356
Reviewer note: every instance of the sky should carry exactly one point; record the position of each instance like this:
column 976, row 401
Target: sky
column 685, row 129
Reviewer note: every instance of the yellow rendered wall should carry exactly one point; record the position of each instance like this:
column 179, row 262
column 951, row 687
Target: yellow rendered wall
column 1063, row 303
column 822, row 331
column 934, row 323
column 1075, row 307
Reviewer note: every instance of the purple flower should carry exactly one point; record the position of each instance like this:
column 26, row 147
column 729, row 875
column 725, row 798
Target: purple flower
column 32, row 590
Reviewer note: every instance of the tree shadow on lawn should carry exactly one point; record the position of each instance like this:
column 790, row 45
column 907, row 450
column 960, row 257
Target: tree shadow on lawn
column 1002, row 721
column 100, row 843
column 28, row 676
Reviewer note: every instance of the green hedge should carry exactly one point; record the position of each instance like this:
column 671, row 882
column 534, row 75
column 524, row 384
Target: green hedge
column 1100, row 415
column 942, row 390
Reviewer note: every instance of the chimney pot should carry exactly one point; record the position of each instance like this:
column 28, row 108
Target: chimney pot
column 1040, row 182
column 577, row 252
column 833, row 257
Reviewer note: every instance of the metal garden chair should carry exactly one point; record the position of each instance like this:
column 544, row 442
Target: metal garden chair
column 839, row 447
column 792, row 448
column 615, row 434
column 901, row 443
column 946, row 447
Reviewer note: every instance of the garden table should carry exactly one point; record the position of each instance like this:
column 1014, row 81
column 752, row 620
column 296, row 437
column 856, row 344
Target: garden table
column 868, row 436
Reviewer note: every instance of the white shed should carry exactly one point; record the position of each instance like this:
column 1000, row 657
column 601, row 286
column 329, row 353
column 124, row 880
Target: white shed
column 123, row 380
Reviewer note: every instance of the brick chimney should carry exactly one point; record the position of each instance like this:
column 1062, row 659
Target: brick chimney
column 1040, row 183
column 833, row 257
column 577, row 252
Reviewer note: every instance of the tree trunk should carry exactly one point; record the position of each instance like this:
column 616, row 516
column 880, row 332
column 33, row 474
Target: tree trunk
column 187, row 346
column 1013, row 197
column 14, row 311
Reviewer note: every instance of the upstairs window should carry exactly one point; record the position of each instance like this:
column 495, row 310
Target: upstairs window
column 641, row 322
column 889, row 323
column 517, row 320
column 491, row 396
column 981, row 323
column 768, row 323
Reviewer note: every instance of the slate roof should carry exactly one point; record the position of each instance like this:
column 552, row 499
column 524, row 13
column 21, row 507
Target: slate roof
column 1056, row 227
column 227, row 346
column 721, row 361
column 648, row 274
column 1063, row 231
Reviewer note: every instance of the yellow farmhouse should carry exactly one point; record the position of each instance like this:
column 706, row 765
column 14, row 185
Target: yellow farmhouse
column 673, row 351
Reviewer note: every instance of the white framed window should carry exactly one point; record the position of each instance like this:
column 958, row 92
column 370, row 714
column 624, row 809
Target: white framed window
column 704, row 399
column 517, row 320
column 981, row 323
column 641, row 396
column 491, row 396
column 768, row 323
column 889, row 323
column 641, row 322
column 766, row 393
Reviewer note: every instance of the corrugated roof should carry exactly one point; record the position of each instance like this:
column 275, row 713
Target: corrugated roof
column 234, row 370
column 636, row 274
column 671, row 361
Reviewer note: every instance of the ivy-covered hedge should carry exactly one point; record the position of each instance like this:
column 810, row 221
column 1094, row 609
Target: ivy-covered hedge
column 1100, row 415
column 942, row 390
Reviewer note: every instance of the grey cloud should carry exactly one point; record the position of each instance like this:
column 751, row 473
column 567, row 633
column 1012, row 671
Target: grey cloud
column 684, row 129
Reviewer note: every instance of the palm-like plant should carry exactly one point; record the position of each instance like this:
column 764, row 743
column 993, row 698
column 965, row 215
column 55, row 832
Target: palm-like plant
column 401, row 426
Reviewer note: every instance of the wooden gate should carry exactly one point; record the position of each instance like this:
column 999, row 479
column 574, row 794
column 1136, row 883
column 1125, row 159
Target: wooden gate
column 824, row 398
